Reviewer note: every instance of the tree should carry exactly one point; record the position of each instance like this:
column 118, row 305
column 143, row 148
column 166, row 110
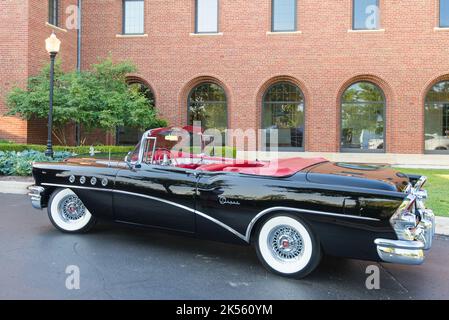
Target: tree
column 97, row 98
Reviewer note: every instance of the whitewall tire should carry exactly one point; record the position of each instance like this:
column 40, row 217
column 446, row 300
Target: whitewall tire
column 67, row 213
column 286, row 246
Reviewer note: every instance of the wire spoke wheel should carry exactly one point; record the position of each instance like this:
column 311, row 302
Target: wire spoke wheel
column 71, row 208
column 68, row 213
column 286, row 243
column 286, row 246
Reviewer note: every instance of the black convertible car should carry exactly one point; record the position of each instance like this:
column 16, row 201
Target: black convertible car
column 291, row 210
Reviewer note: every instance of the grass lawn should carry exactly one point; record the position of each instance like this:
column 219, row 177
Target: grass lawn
column 437, row 186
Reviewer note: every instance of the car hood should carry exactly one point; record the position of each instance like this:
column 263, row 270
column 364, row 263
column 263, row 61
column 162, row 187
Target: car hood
column 81, row 162
column 359, row 175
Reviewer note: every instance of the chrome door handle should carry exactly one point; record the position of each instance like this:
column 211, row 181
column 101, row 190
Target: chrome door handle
column 215, row 190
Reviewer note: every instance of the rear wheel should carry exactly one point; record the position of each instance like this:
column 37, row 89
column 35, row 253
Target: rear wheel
column 67, row 213
column 285, row 245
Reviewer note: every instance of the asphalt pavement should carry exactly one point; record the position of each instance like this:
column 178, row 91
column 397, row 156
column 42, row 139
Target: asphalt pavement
column 117, row 262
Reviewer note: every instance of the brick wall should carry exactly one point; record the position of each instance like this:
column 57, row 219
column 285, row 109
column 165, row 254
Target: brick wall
column 13, row 62
column 404, row 59
column 23, row 31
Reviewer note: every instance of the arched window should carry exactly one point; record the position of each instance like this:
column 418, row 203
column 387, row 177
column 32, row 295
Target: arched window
column 283, row 110
column 128, row 135
column 363, row 118
column 437, row 118
column 207, row 103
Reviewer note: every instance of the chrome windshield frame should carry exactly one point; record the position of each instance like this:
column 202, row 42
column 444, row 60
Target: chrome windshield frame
column 143, row 147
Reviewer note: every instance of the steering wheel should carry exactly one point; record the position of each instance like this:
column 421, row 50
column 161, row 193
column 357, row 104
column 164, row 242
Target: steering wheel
column 159, row 154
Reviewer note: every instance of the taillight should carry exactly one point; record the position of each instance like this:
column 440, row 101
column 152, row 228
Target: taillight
column 420, row 183
column 404, row 220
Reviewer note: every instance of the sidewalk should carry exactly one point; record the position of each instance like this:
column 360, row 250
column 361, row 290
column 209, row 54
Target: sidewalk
column 14, row 187
column 8, row 186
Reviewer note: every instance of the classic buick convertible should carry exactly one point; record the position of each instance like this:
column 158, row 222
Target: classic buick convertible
column 291, row 210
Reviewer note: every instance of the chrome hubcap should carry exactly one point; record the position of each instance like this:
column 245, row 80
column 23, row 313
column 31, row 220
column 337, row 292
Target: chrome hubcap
column 71, row 208
column 286, row 243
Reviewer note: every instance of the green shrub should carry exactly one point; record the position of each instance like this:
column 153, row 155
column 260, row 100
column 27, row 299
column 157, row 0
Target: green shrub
column 20, row 163
column 77, row 150
column 219, row 151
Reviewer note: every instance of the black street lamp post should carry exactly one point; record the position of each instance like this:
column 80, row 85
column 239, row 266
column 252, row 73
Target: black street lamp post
column 52, row 45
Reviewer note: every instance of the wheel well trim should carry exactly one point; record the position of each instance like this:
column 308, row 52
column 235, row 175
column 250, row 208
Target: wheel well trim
column 263, row 213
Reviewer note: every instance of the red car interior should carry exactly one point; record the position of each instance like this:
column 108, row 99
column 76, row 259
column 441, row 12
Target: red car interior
column 278, row 168
column 275, row 168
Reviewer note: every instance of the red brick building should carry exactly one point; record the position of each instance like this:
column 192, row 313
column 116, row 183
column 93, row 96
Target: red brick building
column 332, row 76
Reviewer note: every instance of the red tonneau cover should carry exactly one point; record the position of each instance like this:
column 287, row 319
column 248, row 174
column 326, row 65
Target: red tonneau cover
column 275, row 168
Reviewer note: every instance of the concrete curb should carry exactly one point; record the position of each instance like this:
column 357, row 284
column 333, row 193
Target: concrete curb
column 15, row 187
column 442, row 225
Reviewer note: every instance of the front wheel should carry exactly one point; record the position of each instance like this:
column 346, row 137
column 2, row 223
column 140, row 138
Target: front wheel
column 285, row 245
column 68, row 214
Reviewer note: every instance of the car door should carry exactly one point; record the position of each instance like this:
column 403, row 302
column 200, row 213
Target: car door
column 157, row 196
column 227, row 202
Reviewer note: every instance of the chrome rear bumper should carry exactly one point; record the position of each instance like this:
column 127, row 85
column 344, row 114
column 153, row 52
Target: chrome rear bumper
column 35, row 195
column 409, row 251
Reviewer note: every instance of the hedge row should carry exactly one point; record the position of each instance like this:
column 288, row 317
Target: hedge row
column 78, row 150
column 17, row 159
column 219, row 151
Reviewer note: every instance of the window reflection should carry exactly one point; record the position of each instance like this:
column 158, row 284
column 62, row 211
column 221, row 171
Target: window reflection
column 53, row 10
column 207, row 16
column 207, row 103
column 444, row 13
column 133, row 17
column 365, row 14
column 363, row 117
column 284, row 15
column 283, row 110
column 437, row 118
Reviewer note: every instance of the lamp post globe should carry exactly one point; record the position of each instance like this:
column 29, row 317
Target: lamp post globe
column 52, row 45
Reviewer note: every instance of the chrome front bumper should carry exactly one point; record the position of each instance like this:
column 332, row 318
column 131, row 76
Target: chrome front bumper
column 409, row 251
column 35, row 194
